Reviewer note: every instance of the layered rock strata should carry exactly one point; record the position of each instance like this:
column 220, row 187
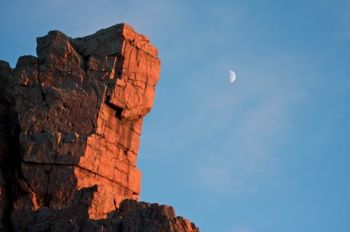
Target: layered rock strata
column 70, row 119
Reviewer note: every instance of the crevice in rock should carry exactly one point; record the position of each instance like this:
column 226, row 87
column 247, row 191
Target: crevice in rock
column 72, row 165
column 47, row 197
column 43, row 96
column 11, row 168
column 118, row 110
column 85, row 65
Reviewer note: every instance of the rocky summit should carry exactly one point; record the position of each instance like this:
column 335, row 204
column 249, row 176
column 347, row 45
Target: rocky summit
column 70, row 125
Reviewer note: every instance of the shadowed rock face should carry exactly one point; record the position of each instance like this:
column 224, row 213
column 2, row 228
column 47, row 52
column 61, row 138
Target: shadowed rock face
column 70, row 119
column 131, row 216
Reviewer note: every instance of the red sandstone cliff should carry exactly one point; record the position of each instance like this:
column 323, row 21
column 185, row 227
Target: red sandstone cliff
column 70, row 124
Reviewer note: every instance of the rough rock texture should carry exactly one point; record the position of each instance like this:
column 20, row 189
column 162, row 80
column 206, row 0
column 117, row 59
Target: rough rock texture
column 132, row 216
column 71, row 119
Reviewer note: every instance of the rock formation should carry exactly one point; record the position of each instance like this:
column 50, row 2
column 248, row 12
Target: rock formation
column 70, row 124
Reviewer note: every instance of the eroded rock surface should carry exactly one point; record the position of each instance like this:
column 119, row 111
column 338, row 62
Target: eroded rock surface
column 131, row 216
column 71, row 119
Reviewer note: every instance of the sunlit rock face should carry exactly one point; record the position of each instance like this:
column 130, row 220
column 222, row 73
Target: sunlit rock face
column 80, row 107
column 70, row 126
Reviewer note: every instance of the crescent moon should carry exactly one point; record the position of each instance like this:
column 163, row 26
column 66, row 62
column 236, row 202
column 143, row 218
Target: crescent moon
column 232, row 76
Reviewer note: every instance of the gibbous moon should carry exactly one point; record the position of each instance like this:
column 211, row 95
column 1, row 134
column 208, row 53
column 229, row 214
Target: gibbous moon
column 232, row 76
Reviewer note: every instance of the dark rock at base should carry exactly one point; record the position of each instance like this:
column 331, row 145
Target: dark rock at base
column 131, row 216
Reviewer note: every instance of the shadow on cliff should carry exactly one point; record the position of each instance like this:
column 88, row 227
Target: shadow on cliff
column 130, row 216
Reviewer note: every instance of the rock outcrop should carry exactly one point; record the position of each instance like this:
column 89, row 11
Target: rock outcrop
column 70, row 125
column 131, row 216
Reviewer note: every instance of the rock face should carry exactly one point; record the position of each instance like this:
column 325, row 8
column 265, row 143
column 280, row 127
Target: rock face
column 131, row 216
column 70, row 124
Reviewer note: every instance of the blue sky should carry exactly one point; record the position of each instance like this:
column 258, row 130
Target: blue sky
column 269, row 153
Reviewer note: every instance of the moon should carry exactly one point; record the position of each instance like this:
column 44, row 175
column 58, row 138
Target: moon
column 232, row 76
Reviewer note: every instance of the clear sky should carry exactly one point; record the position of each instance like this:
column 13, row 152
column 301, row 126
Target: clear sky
column 269, row 153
